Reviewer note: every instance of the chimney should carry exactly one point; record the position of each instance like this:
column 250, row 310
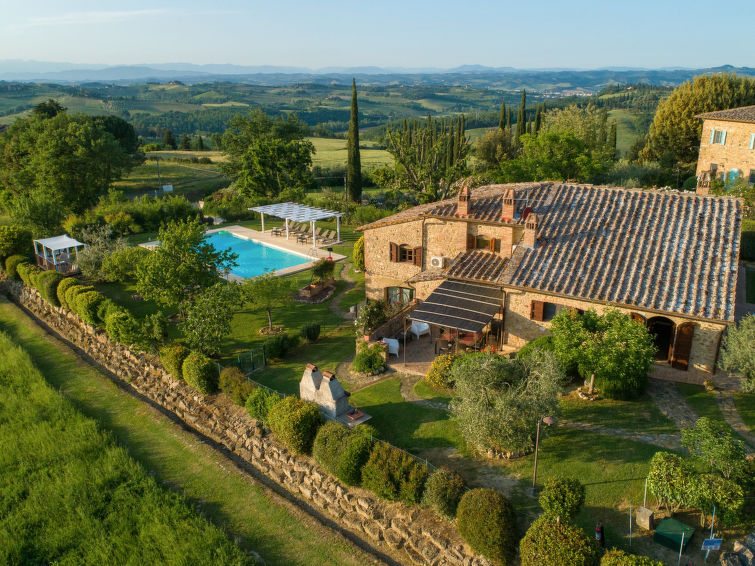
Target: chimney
column 509, row 205
column 462, row 209
column 530, row 230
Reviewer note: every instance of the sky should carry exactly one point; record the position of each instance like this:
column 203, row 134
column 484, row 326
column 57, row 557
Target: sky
column 388, row 33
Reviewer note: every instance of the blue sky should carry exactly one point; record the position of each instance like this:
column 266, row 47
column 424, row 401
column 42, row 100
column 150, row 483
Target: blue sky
column 578, row 33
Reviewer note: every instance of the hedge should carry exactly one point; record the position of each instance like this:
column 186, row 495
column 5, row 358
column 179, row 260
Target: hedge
column 74, row 291
column 443, row 491
column 393, row 474
column 103, row 309
column 259, row 403
column 486, row 520
column 24, row 271
column 63, row 287
column 551, row 542
column 543, row 343
column 48, row 282
column 277, row 346
column 233, row 383
column 295, row 422
column 86, row 305
column 310, row 331
column 12, row 263
column 616, row 557
column 172, row 357
column 437, row 376
column 562, row 498
column 200, row 372
column 342, row 452
column 122, row 327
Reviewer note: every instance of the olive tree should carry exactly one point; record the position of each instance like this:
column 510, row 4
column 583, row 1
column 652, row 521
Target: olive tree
column 738, row 352
column 268, row 291
column 208, row 316
column 499, row 401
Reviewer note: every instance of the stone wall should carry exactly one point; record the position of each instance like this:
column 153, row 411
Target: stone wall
column 735, row 154
column 409, row 535
column 520, row 328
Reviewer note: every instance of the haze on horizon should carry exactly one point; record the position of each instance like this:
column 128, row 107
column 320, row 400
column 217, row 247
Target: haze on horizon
column 579, row 34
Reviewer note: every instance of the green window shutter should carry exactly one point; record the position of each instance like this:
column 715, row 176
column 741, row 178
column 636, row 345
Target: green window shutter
column 752, row 141
column 712, row 133
column 723, row 137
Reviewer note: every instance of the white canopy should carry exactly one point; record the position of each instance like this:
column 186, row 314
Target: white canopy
column 56, row 243
column 299, row 213
column 296, row 212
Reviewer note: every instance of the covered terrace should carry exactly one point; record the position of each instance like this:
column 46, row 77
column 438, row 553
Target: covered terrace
column 58, row 253
column 294, row 212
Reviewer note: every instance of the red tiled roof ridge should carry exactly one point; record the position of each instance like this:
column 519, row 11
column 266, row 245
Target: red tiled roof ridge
column 739, row 114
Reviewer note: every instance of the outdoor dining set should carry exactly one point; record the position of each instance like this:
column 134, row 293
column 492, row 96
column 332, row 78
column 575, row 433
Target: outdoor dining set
column 449, row 340
column 303, row 233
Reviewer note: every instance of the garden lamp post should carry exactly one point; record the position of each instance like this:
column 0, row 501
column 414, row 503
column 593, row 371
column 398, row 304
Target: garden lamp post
column 548, row 421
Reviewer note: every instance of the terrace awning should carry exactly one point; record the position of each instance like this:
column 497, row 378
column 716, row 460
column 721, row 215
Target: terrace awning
column 456, row 304
column 63, row 242
column 298, row 213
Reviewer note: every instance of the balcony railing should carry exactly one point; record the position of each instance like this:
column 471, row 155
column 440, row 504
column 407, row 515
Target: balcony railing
column 65, row 267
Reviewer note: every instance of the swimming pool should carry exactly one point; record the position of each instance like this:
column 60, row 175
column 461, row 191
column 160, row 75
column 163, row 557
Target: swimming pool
column 254, row 258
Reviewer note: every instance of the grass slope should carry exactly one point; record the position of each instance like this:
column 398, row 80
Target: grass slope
column 282, row 535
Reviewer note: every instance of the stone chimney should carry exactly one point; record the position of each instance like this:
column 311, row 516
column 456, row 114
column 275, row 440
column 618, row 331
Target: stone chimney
column 462, row 210
column 530, row 230
column 509, row 205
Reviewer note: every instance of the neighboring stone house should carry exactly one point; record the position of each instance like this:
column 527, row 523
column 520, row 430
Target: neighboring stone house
column 727, row 147
column 668, row 259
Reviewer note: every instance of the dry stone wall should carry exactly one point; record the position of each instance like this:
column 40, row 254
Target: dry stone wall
column 409, row 535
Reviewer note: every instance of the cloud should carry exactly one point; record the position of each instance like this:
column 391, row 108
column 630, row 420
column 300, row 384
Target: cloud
column 90, row 18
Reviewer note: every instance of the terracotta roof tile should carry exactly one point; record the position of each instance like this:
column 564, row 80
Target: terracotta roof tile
column 741, row 114
column 478, row 265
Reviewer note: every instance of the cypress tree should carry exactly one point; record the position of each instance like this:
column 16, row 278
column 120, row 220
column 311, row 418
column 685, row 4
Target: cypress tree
column 168, row 140
column 612, row 138
column 603, row 132
column 354, row 165
column 510, row 120
column 200, row 143
column 184, row 142
column 450, row 147
column 529, row 126
column 538, row 120
column 502, row 119
column 521, row 118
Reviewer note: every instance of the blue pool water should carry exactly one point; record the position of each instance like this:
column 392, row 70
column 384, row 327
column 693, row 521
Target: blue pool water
column 254, row 259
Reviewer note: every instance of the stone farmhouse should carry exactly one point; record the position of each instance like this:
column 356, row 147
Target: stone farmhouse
column 727, row 147
column 503, row 260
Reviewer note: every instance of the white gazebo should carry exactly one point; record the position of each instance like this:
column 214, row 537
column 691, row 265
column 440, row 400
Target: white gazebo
column 299, row 213
column 58, row 253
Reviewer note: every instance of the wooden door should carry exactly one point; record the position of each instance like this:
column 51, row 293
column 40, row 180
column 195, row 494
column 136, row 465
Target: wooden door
column 682, row 345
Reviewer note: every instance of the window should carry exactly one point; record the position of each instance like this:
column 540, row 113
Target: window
column 398, row 295
column 404, row 253
column 542, row 311
column 713, row 169
column 752, row 141
column 718, row 137
column 485, row 243
column 751, row 180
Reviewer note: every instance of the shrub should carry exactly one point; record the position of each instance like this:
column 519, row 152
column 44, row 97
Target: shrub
column 24, row 271
column 616, row 557
column 342, row 452
column 369, row 358
column 276, row 347
column 358, row 254
column 542, row 343
column 485, row 519
column 443, row 491
column 295, row 422
column 104, row 308
column 14, row 240
column 233, row 383
column 154, row 330
column 551, row 542
column 310, row 331
column 370, row 316
column 122, row 327
column 172, row 357
column 393, row 474
column 562, row 498
column 259, row 403
column 438, row 376
column 200, row 372
column 48, row 282
column 74, row 291
column 748, row 239
column 12, row 263
column 86, row 306
column 63, row 287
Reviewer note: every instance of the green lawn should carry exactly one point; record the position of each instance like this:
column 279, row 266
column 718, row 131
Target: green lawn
column 332, row 153
column 424, row 391
column 281, row 534
column 638, row 415
column 193, row 180
column 702, row 401
column 750, row 282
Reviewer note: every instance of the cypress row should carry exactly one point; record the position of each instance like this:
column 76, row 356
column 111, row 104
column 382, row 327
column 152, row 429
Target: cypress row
column 354, row 165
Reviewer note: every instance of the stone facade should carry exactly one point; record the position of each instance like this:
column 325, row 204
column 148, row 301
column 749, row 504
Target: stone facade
column 735, row 153
column 519, row 328
column 409, row 535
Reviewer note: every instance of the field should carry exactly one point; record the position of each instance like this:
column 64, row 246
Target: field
column 259, row 521
column 331, row 153
column 627, row 123
column 72, row 495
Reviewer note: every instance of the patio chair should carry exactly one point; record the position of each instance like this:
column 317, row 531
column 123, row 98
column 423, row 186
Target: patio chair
column 278, row 231
column 420, row 329
column 329, row 238
column 392, row 344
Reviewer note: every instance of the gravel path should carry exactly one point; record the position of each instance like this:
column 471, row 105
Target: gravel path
column 725, row 401
column 672, row 403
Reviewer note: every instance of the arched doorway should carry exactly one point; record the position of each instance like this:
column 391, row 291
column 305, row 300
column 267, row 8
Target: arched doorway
column 662, row 330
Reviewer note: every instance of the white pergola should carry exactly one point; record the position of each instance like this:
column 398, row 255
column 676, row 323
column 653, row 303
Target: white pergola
column 299, row 213
column 57, row 253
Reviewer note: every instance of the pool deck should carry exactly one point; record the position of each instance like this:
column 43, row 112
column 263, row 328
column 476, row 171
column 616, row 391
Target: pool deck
column 281, row 243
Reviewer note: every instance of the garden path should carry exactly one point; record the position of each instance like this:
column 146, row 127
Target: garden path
column 725, row 399
column 407, row 392
column 672, row 403
column 334, row 302
column 670, row 441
